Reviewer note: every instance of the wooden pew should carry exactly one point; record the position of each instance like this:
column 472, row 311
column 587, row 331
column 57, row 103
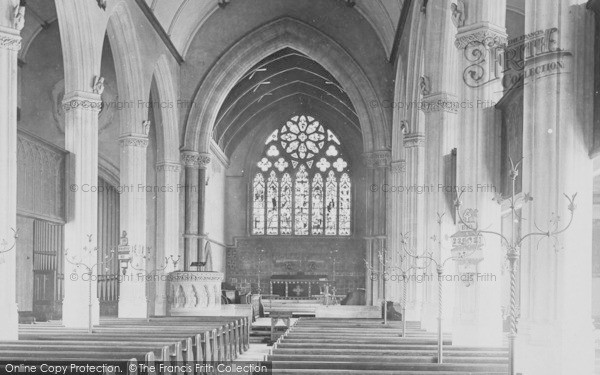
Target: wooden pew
column 236, row 332
column 170, row 340
column 112, row 358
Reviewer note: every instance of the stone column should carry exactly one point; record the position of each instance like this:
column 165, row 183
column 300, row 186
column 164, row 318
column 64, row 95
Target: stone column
column 81, row 139
column 480, row 40
column 82, row 26
column 204, row 161
column 191, row 163
column 167, row 252
column 377, row 164
column 478, row 313
column 414, row 209
column 555, row 329
column 440, row 104
column 397, row 176
column 195, row 191
column 132, row 292
column 10, row 43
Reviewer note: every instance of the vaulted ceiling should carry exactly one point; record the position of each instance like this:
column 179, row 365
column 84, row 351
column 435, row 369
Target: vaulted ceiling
column 182, row 18
column 288, row 79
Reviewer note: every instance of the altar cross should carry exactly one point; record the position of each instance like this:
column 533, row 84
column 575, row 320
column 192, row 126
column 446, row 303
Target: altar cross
column 297, row 290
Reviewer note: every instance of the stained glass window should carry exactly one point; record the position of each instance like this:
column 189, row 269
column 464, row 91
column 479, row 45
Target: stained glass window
column 302, row 184
column 317, row 205
column 272, row 204
column 301, row 202
column 331, row 204
column 258, row 220
column 285, row 225
column 344, row 217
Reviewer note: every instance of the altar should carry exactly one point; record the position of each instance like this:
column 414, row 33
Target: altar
column 299, row 286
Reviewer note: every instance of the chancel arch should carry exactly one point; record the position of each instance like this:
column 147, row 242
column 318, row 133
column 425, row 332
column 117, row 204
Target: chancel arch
column 266, row 40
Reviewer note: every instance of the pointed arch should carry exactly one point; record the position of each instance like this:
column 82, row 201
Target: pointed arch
column 167, row 133
column 131, row 84
column 266, row 40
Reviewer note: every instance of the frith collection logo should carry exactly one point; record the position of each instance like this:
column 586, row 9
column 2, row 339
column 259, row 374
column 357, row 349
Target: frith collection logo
column 523, row 59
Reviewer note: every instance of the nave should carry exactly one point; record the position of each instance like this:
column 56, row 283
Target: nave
column 170, row 158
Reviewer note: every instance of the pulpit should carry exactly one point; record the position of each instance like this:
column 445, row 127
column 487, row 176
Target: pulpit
column 194, row 293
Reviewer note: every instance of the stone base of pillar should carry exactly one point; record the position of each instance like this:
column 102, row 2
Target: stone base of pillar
column 413, row 311
column 75, row 312
column 133, row 307
column 546, row 349
column 429, row 317
column 160, row 303
column 9, row 322
column 477, row 333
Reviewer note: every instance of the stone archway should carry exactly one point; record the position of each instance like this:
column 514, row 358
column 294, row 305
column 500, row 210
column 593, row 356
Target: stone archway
column 285, row 32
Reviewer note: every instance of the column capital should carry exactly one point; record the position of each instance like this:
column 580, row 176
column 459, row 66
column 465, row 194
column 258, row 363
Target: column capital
column 168, row 166
column 134, row 140
column 398, row 166
column 377, row 159
column 414, row 140
column 195, row 159
column 82, row 100
column 10, row 38
column 484, row 33
column 440, row 101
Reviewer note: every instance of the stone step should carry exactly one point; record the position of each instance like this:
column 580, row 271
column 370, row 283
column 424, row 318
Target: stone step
column 395, row 340
column 371, row 330
column 285, row 344
column 346, row 336
column 385, row 359
column 378, row 366
column 306, row 322
column 377, row 372
column 399, row 352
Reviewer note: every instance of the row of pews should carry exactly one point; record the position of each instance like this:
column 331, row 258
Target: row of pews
column 138, row 346
column 366, row 346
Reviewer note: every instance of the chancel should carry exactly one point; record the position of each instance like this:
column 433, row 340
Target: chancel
column 361, row 187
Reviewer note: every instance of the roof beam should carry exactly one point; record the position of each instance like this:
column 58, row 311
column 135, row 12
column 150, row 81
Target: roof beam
column 399, row 30
column 160, row 30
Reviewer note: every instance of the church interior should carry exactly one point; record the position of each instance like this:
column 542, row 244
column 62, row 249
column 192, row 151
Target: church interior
column 316, row 186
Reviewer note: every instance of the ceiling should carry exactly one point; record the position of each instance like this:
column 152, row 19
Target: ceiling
column 286, row 78
column 38, row 16
column 182, row 18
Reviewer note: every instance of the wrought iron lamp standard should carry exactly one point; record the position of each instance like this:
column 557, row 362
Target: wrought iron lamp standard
column 258, row 267
column 404, row 271
column 440, row 267
column 384, row 258
column 513, row 246
column 89, row 268
column 4, row 248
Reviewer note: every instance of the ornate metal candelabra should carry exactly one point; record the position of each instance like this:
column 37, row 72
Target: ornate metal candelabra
column 138, row 255
column 404, row 269
column 333, row 257
column 440, row 267
column 4, row 246
column 513, row 245
column 384, row 257
column 259, row 264
column 89, row 268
